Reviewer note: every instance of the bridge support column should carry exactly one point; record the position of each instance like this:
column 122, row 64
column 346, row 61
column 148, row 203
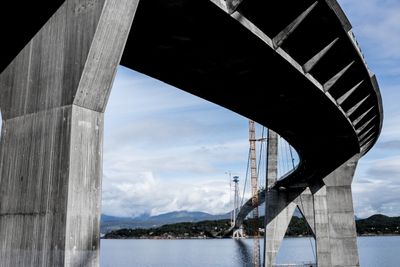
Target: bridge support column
column 50, row 189
column 52, row 99
column 328, row 209
column 279, row 211
column 321, row 227
column 279, row 205
column 342, row 227
column 335, row 229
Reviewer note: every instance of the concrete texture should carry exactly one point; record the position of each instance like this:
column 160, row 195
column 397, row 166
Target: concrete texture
column 34, row 185
column 272, row 160
column 276, row 210
column 50, row 202
column 279, row 212
column 321, row 227
column 52, row 100
column 342, row 227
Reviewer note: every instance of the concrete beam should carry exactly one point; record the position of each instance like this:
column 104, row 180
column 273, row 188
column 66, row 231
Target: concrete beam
column 310, row 64
column 366, row 146
column 232, row 5
column 356, row 121
column 52, row 98
column 331, row 82
column 367, row 139
column 343, row 98
column 356, row 106
column 285, row 33
column 359, row 130
column 362, row 136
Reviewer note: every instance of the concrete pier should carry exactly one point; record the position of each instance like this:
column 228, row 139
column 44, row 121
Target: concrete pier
column 328, row 208
column 52, row 99
column 279, row 212
column 342, row 226
column 50, row 202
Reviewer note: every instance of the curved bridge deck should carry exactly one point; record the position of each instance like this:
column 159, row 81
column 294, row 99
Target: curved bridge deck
column 299, row 73
column 292, row 66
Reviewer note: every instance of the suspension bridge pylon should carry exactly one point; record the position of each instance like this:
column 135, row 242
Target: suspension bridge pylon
column 238, row 233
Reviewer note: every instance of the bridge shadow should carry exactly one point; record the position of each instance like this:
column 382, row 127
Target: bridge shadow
column 244, row 253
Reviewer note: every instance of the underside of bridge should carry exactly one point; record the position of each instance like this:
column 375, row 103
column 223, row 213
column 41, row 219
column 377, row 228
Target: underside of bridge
column 293, row 66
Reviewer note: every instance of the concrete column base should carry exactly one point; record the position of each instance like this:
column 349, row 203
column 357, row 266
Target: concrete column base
column 49, row 200
column 334, row 221
column 342, row 226
column 279, row 212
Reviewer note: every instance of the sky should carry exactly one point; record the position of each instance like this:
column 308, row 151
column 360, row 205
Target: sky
column 166, row 150
column 376, row 185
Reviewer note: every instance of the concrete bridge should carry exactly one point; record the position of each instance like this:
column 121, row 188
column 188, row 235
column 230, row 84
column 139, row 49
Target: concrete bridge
column 293, row 66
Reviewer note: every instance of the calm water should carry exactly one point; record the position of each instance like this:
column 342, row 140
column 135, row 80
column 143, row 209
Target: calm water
column 374, row 252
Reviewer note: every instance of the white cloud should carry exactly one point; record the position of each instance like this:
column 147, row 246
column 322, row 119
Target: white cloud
column 139, row 193
column 168, row 150
column 376, row 22
column 175, row 157
column 170, row 158
column 377, row 187
column 391, row 126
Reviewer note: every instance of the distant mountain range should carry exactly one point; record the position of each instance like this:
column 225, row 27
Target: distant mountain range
column 378, row 224
column 374, row 225
column 109, row 223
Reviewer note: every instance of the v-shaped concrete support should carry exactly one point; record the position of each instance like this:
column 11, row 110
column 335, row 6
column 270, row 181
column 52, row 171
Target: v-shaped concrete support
column 279, row 211
column 334, row 224
column 328, row 209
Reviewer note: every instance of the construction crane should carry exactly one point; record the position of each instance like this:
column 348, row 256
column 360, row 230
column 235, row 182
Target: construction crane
column 254, row 193
column 271, row 175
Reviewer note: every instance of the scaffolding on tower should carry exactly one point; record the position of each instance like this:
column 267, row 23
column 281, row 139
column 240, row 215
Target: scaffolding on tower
column 254, row 193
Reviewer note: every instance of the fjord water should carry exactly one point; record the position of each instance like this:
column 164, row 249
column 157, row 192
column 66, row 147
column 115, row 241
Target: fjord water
column 382, row 251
